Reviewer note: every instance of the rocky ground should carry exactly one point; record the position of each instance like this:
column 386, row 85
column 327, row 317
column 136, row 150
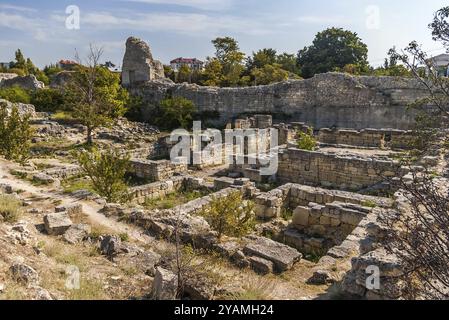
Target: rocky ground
column 37, row 265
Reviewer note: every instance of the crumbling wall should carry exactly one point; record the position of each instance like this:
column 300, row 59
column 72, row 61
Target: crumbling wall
column 369, row 138
column 331, row 170
column 156, row 170
column 325, row 101
column 139, row 65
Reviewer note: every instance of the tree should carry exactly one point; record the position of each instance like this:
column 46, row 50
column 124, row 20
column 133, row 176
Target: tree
column 230, row 215
column 98, row 96
column 15, row 135
column 332, row 48
column 15, row 94
column 48, row 100
column 175, row 113
column 261, row 58
column 391, row 67
column 213, row 73
column 184, row 74
column 20, row 62
column 269, row 73
column 288, row 62
column 106, row 169
column 229, row 56
column 419, row 234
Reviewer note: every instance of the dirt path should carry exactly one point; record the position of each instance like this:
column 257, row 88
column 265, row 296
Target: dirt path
column 90, row 208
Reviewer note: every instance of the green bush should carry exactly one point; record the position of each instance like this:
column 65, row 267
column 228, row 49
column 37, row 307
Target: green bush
column 106, row 169
column 306, row 141
column 230, row 215
column 15, row 94
column 15, row 135
column 174, row 113
column 48, row 100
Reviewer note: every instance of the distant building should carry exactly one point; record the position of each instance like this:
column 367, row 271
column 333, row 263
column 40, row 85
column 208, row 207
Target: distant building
column 67, row 64
column 192, row 63
column 441, row 64
column 4, row 65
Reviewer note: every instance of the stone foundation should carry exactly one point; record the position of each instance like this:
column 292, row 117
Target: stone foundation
column 367, row 138
column 331, row 170
column 156, row 170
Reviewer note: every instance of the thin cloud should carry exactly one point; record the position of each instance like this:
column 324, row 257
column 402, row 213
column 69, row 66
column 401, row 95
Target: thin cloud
column 181, row 23
column 213, row 5
column 7, row 6
column 320, row 19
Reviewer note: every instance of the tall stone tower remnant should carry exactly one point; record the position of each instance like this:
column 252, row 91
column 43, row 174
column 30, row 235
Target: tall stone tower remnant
column 139, row 65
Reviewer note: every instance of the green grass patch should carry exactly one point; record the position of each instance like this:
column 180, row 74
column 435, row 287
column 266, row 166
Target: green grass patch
column 76, row 184
column 173, row 200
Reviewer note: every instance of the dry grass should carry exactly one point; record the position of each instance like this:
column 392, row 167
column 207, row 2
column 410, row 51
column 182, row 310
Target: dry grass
column 10, row 208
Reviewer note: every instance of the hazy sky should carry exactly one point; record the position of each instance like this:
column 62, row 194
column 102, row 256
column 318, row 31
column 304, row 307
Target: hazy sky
column 185, row 27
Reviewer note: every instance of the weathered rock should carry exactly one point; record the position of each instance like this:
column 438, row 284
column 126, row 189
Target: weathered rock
column 261, row 265
column 240, row 259
column 283, row 257
column 72, row 209
column 24, row 274
column 43, row 178
column 165, row 285
column 57, row 223
column 110, row 246
column 138, row 64
column 301, row 216
column 41, row 294
column 199, row 287
column 26, row 82
column 321, row 277
column 77, row 233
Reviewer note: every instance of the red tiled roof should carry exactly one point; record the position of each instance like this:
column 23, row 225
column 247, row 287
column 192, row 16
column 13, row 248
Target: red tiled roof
column 67, row 62
column 186, row 60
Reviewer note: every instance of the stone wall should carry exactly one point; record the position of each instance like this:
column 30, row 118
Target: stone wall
column 370, row 138
column 331, row 170
column 290, row 196
column 325, row 101
column 156, row 170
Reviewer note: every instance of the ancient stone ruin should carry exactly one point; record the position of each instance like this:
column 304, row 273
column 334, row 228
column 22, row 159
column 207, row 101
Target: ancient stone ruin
column 138, row 64
column 317, row 219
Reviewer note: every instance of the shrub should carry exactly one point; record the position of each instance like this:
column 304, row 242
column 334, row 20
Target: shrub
column 230, row 215
column 107, row 171
column 175, row 113
column 306, row 141
column 15, row 94
column 15, row 135
column 10, row 208
column 48, row 100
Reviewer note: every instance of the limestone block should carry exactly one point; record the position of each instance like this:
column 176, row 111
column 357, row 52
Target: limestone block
column 301, row 216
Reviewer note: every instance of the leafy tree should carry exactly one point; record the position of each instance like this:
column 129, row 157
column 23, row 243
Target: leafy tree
column 175, row 113
column 98, row 98
column 288, row 62
column 228, row 54
column 391, row 67
column 15, row 135
column 332, row 48
column 106, row 169
column 52, row 70
column 230, row 215
column 20, row 62
column 15, row 94
column 261, row 58
column 184, row 74
column 269, row 73
column 306, row 140
column 213, row 73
